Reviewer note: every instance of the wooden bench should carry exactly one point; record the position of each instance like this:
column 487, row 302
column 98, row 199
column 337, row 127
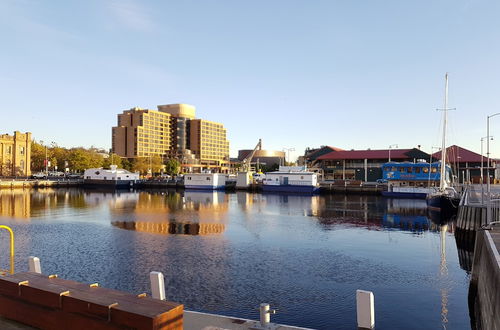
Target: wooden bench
column 48, row 302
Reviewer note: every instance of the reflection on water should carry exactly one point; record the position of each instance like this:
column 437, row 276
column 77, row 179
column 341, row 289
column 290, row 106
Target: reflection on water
column 226, row 253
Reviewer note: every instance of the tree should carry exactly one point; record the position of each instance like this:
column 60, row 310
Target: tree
column 141, row 165
column 172, row 167
column 113, row 159
column 37, row 156
column 126, row 164
column 81, row 159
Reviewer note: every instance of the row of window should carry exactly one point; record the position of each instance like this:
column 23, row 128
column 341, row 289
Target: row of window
column 410, row 169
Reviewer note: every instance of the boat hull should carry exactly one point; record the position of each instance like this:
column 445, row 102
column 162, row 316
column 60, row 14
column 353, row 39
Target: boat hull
column 413, row 195
column 442, row 203
column 204, row 187
column 117, row 184
column 290, row 189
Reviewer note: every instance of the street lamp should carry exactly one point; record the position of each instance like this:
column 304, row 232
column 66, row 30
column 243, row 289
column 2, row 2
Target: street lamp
column 488, row 206
column 392, row 145
column 482, row 167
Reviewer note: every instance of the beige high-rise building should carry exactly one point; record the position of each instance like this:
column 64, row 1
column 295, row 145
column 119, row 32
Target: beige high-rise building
column 172, row 131
column 209, row 143
column 142, row 133
column 15, row 154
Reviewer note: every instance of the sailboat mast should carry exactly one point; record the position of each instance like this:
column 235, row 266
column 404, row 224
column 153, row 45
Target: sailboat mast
column 442, row 181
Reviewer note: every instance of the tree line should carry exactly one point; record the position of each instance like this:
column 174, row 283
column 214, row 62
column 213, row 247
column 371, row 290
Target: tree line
column 79, row 159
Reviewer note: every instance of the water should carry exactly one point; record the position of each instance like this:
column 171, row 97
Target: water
column 226, row 253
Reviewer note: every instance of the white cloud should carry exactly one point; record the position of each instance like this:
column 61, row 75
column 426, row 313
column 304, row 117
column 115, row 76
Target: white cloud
column 131, row 14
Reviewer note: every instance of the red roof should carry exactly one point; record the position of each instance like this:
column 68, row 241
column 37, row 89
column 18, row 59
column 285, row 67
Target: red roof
column 367, row 154
column 456, row 154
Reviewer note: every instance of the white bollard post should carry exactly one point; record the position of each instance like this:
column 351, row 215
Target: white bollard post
column 265, row 315
column 365, row 308
column 157, row 285
column 34, row 265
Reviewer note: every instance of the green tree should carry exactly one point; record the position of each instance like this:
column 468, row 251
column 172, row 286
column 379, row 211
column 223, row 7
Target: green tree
column 81, row 159
column 113, row 159
column 37, row 156
column 126, row 164
column 141, row 165
column 172, row 167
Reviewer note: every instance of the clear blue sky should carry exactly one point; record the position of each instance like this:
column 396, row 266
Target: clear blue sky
column 351, row 74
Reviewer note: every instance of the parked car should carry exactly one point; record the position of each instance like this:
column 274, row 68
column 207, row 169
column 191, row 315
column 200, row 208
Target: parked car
column 381, row 181
column 39, row 175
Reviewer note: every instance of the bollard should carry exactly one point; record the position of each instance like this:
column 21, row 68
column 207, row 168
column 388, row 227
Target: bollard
column 365, row 309
column 265, row 315
column 34, row 265
column 157, row 285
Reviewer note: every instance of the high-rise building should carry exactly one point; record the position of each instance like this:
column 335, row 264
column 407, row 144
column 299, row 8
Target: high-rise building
column 15, row 154
column 172, row 131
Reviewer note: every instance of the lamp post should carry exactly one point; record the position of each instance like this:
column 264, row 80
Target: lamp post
column 392, row 145
column 488, row 203
column 482, row 167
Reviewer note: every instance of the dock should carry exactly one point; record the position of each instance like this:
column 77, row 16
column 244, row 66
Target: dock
column 484, row 290
column 30, row 184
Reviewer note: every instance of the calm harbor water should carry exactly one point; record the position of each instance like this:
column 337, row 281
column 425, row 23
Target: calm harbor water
column 226, row 253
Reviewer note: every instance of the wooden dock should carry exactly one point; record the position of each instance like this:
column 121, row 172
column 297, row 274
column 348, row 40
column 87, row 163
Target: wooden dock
column 48, row 302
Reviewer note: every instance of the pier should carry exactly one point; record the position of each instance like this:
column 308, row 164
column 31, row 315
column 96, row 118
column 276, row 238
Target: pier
column 28, row 184
column 480, row 230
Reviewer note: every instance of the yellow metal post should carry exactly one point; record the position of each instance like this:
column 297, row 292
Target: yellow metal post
column 11, row 247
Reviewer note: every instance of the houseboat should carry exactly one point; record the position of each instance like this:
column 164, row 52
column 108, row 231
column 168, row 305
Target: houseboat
column 210, row 181
column 293, row 179
column 412, row 180
column 112, row 178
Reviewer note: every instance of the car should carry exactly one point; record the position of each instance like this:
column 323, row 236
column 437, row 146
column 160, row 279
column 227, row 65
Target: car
column 381, row 181
column 39, row 175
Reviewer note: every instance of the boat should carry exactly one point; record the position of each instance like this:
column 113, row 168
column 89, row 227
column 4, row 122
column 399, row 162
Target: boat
column 446, row 198
column 412, row 180
column 205, row 181
column 113, row 178
column 292, row 179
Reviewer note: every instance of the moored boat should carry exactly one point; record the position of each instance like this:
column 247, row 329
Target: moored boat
column 205, row 181
column 291, row 179
column 412, row 180
column 446, row 198
column 113, row 178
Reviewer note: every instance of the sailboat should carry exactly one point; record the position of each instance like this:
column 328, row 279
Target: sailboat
column 446, row 198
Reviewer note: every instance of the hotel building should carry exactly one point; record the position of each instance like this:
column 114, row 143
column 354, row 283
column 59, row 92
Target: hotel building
column 172, row 131
column 15, row 154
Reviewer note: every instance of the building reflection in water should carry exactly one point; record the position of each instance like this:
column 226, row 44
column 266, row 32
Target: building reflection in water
column 25, row 203
column 191, row 213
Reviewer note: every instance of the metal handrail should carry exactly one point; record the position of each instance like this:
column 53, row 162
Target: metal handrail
column 11, row 249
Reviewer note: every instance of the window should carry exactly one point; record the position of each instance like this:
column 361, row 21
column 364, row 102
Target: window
column 410, row 170
column 21, row 150
column 434, row 170
column 425, row 170
column 402, row 169
column 417, row 169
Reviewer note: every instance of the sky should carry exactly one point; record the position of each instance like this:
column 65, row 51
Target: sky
column 349, row 74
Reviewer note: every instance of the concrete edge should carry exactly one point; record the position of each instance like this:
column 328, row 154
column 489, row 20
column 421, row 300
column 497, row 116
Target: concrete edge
column 240, row 319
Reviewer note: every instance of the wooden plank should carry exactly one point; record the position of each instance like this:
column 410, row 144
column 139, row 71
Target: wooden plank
column 51, row 301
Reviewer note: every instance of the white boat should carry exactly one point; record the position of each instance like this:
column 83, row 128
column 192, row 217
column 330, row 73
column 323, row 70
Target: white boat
column 294, row 179
column 211, row 181
column 114, row 177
